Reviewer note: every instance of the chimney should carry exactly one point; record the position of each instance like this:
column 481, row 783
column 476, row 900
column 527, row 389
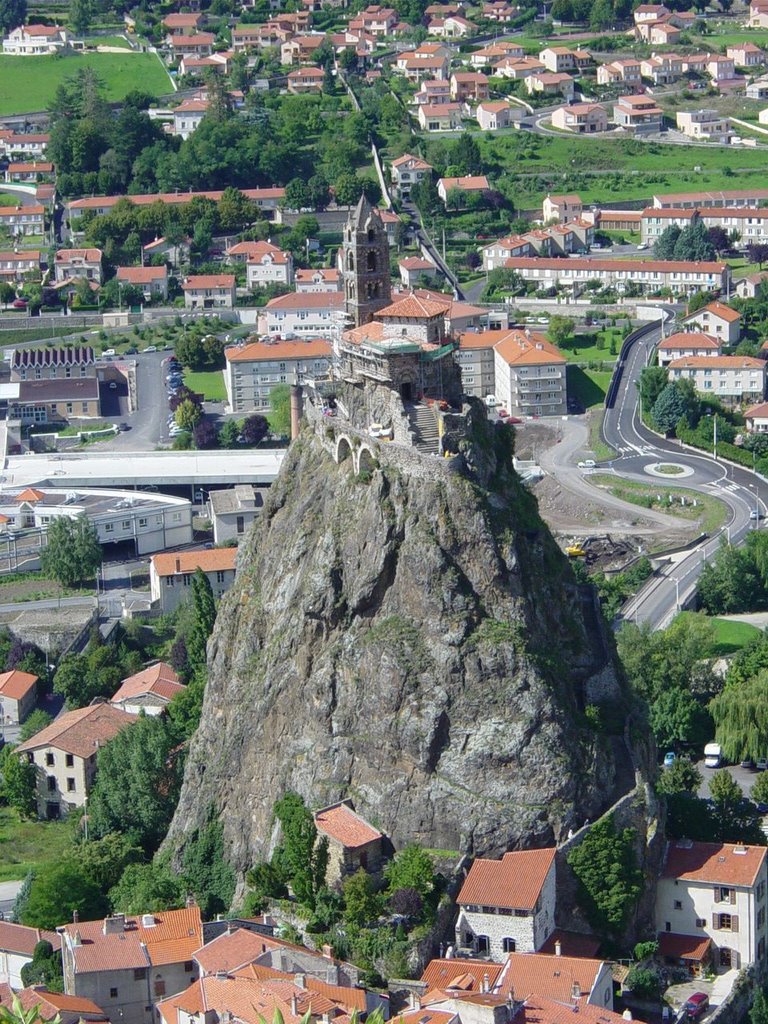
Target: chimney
column 486, row 982
column 294, row 1005
column 114, row 925
column 415, row 1001
column 327, row 951
column 191, row 901
column 77, row 939
column 558, row 948
column 75, row 916
column 576, row 990
column 300, row 980
column 296, row 409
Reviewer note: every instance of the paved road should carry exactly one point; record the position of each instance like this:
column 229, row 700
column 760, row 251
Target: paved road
column 639, row 451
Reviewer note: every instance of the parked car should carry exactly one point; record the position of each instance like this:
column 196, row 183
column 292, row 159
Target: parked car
column 761, row 765
column 587, row 464
column 748, row 763
column 669, row 758
column 696, row 1005
column 19, row 304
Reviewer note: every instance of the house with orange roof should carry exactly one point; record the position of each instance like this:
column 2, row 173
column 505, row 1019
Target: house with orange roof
column 716, row 892
column 17, row 947
column 253, row 370
column 170, row 574
column 52, row 1006
column 18, row 696
column 35, row 40
column 209, row 291
column 508, row 905
column 716, row 319
column 735, row 380
column 756, row 418
column 408, row 170
column 317, row 279
column 153, row 281
column 477, row 183
column 64, row 755
column 687, row 343
column 352, row 842
column 561, row 207
column 268, row 264
column 150, row 690
column 414, row 268
column 494, row 114
column 74, row 264
column 303, row 315
column 125, row 963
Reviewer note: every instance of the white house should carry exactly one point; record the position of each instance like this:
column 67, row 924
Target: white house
column 440, row 117
column 681, row 277
column 733, row 379
column 150, row 690
column 408, row 170
column 170, row 574
column 18, row 696
column 319, row 279
column 153, row 281
column 717, row 319
column 715, row 892
column 304, row 314
column 687, row 343
column 209, row 291
column 71, row 264
column 267, row 264
column 413, row 268
column 34, row 40
column 188, row 115
column 17, row 945
column 508, row 905
column 495, row 114
column 232, row 510
column 756, row 418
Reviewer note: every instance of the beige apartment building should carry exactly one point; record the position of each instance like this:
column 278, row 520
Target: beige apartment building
column 734, row 380
column 254, row 370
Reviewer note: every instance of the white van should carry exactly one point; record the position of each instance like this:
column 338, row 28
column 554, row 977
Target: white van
column 713, row 755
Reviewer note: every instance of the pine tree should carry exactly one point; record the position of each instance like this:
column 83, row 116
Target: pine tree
column 205, row 619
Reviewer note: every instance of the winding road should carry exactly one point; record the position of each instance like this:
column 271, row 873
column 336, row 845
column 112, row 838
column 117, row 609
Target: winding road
column 639, row 452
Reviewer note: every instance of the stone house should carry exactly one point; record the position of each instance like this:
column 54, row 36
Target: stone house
column 352, row 842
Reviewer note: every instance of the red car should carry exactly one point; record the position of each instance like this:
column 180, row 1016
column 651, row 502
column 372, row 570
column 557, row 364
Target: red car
column 19, row 304
column 696, row 1006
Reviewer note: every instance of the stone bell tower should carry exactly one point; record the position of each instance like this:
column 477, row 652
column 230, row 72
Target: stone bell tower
column 365, row 253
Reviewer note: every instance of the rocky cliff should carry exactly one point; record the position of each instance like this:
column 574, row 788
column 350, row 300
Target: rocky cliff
column 415, row 640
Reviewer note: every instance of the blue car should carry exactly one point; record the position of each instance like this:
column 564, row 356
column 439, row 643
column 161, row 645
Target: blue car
column 669, row 759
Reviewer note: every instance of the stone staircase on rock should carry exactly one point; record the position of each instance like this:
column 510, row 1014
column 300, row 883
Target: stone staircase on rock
column 424, row 428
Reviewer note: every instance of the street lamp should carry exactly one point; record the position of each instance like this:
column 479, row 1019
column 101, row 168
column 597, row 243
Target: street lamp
column 714, row 446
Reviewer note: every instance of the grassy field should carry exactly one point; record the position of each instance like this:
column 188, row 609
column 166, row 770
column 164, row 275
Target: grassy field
column 17, row 337
column 28, row 83
column 210, row 384
column 588, row 387
column 729, row 636
column 597, row 445
column 120, row 41
column 708, row 511
column 28, row 844
column 577, row 351
column 34, row 587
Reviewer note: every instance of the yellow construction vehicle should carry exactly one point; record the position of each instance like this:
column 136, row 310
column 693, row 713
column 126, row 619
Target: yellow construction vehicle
column 575, row 551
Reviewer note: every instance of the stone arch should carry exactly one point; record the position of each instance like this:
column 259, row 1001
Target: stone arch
column 350, row 261
column 343, row 448
column 370, row 260
column 366, row 460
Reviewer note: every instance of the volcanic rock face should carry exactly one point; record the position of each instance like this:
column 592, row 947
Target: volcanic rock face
column 414, row 640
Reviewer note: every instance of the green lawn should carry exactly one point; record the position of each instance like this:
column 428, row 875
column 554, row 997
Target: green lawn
column 729, row 636
column 20, row 335
column 588, row 387
column 7, row 200
column 28, row 83
column 28, row 844
column 120, row 41
column 577, row 351
column 209, row 384
column 709, row 512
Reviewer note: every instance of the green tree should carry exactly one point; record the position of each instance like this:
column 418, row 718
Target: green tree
column 601, row 16
column 206, row 870
column 81, row 13
column 304, row 855
column 57, row 891
column 609, row 880
column 735, row 818
column 560, row 329
column 188, row 414
column 694, row 243
column 204, row 620
column 12, row 14
column 760, row 789
column 653, row 380
column 186, row 707
column 44, row 968
column 362, row 904
column 664, row 247
column 280, row 410
column 19, row 783
column 730, row 583
column 104, row 860
column 348, row 188
column 466, row 155
column 677, row 717
column 37, row 721
column 138, row 783
column 682, row 777
column 411, row 868
column 741, row 718
column 668, row 408
column 72, row 552
column 146, row 888
column 758, row 1013
column 7, row 291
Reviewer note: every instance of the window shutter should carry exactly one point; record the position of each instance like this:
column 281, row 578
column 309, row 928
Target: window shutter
column 732, row 897
column 734, row 923
column 715, row 921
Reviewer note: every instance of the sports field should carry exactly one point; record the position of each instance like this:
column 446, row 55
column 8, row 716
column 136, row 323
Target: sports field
column 28, row 83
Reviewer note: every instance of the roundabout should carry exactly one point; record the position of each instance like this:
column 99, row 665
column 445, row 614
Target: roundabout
column 668, row 470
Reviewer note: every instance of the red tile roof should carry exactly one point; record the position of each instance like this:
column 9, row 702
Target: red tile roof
column 542, row 974
column 414, row 308
column 514, row 882
column 572, row 944
column 16, row 685
column 538, row 1010
column 469, row 183
column 717, row 309
column 17, row 938
column 267, row 351
column 159, row 679
column 717, row 362
column 249, row 1000
column 717, row 863
column 90, row 255
column 209, row 281
column 173, row 938
column 168, row 563
column 307, row 300
column 689, row 339
column 80, row 732
column 684, row 947
column 757, row 411
column 464, row 974
column 141, row 275
column 341, row 823
column 50, row 1005
column 30, row 495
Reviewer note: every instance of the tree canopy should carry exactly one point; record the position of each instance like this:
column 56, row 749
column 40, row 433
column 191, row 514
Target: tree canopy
column 609, row 880
column 72, row 552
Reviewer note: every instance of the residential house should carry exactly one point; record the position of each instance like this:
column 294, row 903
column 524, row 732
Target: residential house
column 716, row 319
column 705, row 125
column 489, row 55
column 581, row 118
column 52, row 1006
column 320, row 279
column 266, row 199
column 471, row 183
column 452, row 27
column 408, row 170
column 662, row 68
column 758, row 14
column 21, row 221
column 561, row 207
column 18, row 697
column 477, row 363
column 16, row 266
column 468, row 86
column 188, row 115
column 746, row 287
column 209, row 291
column 353, row 844
column 303, row 314
column 248, row 37
column 177, row 24
column 267, row 264
column 254, row 370
column 416, row 68
column 559, row 58
column 414, row 268
column 519, row 68
column 686, row 344
column 754, row 197
column 309, row 79
column 198, row 45
column 720, row 68
column 715, row 893
column 433, row 90
column 758, row 90
column 256, row 998
column 35, row 40
column 64, row 755
column 734, row 380
column 170, row 574
column 232, row 510
column 745, row 55
column 220, row 61
column 499, row 11
column 301, row 49
column 638, row 114
column 495, row 114
column 645, row 13
column 756, row 418
column 508, row 905
column 17, row 946
column 124, row 964
column 23, row 145
column 378, row 21
column 28, row 171
column 73, row 264
column 751, row 224
column 649, row 276
column 440, row 117
column 153, row 281
column 658, row 33
column 149, row 691
column 496, row 254
column 548, row 83
column 625, row 71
